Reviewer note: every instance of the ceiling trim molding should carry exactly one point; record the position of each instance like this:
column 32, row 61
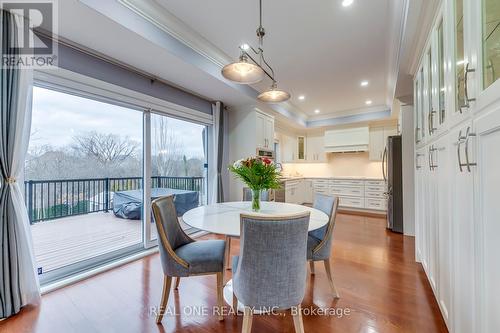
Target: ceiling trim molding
column 166, row 21
column 371, row 116
column 397, row 30
column 351, row 112
column 428, row 12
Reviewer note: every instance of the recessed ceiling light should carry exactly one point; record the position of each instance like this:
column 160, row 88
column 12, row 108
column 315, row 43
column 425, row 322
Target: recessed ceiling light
column 245, row 46
column 302, row 97
column 368, row 102
column 364, row 83
column 347, row 3
column 317, row 111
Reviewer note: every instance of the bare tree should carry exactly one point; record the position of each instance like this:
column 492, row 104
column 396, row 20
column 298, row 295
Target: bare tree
column 166, row 146
column 105, row 148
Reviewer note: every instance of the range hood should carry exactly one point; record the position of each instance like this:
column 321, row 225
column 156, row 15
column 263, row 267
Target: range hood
column 347, row 140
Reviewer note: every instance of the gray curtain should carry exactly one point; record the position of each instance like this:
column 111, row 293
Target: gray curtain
column 18, row 280
column 220, row 154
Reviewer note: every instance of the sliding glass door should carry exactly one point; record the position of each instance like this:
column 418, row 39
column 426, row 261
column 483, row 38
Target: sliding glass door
column 83, row 181
column 93, row 165
column 178, row 163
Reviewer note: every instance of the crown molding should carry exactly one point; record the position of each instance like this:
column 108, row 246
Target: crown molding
column 399, row 19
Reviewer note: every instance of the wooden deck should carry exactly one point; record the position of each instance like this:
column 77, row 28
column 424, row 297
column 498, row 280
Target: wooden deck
column 58, row 243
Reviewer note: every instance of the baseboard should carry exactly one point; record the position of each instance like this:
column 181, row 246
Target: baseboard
column 364, row 212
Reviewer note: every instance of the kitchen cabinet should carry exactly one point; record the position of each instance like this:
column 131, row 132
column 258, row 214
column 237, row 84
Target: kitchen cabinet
column 301, row 148
column 315, row 149
column 378, row 141
column 264, row 131
column 307, row 190
column 294, row 191
column 483, row 140
column 287, row 149
column 457, row 162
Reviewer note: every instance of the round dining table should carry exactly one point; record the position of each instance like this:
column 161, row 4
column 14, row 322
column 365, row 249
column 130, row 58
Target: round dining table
column 224, row 219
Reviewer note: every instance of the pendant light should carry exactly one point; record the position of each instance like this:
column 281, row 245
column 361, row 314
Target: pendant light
column 274, row 95
column 243, row 72
column 247, row 70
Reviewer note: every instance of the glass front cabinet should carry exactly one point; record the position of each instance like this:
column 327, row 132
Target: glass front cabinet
column 460, row 67
column 457, row 133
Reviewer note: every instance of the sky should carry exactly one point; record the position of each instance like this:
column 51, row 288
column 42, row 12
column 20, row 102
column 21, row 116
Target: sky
column 57, row 117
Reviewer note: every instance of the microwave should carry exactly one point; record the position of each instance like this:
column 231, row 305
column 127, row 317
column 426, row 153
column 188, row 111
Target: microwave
column 265, row 153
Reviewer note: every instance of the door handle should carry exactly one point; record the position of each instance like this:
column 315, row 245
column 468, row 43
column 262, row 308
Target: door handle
column 467, row 137
column 459, row 143
column 431, row 122
column 467, row 101
column 383, row 163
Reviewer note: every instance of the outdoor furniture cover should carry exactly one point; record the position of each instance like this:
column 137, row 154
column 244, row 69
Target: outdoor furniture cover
column 128, row 204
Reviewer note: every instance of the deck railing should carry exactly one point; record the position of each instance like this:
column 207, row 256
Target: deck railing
column 53, row 199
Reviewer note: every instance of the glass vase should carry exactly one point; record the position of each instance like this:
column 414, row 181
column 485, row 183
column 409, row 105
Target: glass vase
column 255, row 200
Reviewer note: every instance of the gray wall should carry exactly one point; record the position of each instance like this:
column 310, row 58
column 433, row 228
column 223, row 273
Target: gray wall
column 75, row 60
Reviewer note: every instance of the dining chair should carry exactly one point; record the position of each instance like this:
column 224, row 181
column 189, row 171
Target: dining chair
column 319, row 241
column 270, row 272
column 181, row 256
column 247, row 196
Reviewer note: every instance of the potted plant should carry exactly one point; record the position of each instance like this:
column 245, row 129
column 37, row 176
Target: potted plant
column 258, row 174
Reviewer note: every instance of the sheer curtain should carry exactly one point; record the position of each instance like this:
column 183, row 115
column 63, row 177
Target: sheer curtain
column 215, row 169
column 18, row 283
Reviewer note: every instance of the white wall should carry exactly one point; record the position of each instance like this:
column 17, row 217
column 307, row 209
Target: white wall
column 408, row 143
column 338, row 165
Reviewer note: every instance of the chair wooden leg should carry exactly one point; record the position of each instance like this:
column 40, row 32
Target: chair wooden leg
column 227, row 255
column 247, row 320
column 235, row 304
column 311, row 266
column 297, row 319
column 220, row 287
column 177, row 281
column 167, row 281
column 330, row 278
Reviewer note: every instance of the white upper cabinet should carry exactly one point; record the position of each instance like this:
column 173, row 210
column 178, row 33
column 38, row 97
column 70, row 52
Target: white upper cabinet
column 315, row 151
column 378, row 141
column 301, row 148
column 288, row 145
column 265, row 131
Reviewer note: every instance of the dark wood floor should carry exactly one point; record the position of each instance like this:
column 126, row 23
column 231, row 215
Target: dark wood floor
column 375, row 273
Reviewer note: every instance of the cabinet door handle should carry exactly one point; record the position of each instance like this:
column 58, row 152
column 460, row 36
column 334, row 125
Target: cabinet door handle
column 459, row 143
column 467, row 137
column 467, row 101
column 431, row 122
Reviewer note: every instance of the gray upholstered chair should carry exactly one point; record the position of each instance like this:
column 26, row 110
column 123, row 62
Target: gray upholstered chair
column 271, row 272
column 181, row 256
column 319, row 242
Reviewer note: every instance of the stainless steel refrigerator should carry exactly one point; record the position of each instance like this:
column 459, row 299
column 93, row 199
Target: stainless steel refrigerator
column 392, row 168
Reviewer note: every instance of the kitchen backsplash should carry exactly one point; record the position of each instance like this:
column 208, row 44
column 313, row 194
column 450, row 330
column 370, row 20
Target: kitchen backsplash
column 338, row 165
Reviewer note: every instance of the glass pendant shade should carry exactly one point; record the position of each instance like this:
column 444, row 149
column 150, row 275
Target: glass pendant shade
column 243, row 72
column 274, row 95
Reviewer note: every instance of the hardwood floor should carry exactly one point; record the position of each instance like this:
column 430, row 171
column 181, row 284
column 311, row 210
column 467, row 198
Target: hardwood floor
column 380, row 285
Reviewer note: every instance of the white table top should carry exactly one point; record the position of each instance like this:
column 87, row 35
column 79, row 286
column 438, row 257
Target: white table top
column 224, row 218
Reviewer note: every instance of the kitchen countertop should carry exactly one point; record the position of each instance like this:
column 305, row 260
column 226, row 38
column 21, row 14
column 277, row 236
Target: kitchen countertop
column 333, row 177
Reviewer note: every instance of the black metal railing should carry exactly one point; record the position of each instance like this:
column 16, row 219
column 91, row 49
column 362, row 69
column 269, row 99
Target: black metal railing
column 52, row 199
